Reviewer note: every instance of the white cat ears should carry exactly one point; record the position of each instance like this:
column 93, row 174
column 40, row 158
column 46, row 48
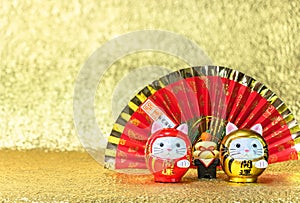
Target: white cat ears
column 230, row 127
column 156, row 126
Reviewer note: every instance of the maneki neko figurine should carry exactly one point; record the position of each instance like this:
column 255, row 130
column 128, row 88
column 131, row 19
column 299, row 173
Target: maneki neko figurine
column 244, row 153
column 168, row 152
column 206, row 157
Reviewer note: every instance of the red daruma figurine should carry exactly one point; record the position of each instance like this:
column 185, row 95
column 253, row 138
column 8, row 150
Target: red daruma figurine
column 168, row 153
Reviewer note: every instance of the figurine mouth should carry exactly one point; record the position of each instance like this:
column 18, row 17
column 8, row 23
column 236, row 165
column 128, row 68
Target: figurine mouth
column 168, row 154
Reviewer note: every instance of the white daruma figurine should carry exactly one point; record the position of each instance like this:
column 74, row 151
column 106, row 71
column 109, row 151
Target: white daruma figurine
column 244, row 153
column 168, row 152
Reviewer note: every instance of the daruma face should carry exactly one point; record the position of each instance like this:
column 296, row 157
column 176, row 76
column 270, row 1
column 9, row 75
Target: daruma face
column 246, row 149
column 169, row 148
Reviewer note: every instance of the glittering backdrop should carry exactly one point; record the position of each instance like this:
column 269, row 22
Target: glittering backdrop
column 44, row 44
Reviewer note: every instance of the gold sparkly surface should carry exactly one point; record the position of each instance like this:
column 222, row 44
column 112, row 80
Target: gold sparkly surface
column 35, row 176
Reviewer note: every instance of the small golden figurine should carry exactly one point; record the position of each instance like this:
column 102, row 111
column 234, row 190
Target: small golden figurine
column 244, row 153
column 206, row 156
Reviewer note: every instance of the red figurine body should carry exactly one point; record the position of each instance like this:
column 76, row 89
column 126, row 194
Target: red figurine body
column 168, row 153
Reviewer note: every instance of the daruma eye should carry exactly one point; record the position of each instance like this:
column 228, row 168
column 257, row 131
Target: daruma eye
column 238, row 145
column 254, row 145
column 177, row 145
column 161, row 144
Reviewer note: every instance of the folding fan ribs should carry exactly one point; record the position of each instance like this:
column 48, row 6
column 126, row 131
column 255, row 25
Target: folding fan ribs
column 205, row 98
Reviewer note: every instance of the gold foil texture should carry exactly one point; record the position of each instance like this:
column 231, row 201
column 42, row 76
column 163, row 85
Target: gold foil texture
column 45, row 43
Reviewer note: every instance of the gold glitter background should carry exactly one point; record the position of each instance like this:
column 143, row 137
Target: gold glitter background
column 44, row 44
column 76, row 177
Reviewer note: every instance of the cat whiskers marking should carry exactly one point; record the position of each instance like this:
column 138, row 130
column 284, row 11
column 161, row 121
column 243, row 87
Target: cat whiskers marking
column 157, row 150
column 236, row 153
column 181, row 150
column 180, row 153
column 258, row 152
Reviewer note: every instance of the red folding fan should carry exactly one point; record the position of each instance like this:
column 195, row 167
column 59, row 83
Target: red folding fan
column 206, row 98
